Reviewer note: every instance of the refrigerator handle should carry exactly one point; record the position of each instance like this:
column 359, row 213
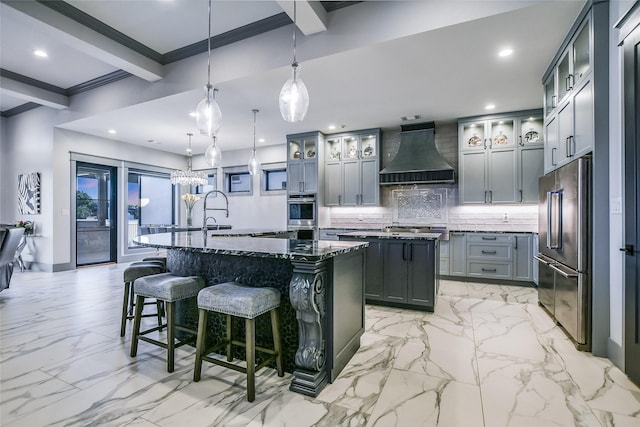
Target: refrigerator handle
column 549, row 219
column 564, row 274
column 555, row 221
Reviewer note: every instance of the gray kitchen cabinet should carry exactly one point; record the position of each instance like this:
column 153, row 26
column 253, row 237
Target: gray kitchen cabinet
column 457, row 253
column 530, row 164
column 444, row 258
column 374, row 285
column 523, row 257
column 396, row 272
column 569, row 118
column 411, row 273
column 332, row 184
column 302, row 162
column 490, row 157
column 353, row 161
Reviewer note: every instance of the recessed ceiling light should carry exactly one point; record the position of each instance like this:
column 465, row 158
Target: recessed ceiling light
column 192, row 114
column 332, row 127
column 112, row 131
column 489, row 107
column 409, row 118
column 505, row 52
column 261, row 140
column 40, row 53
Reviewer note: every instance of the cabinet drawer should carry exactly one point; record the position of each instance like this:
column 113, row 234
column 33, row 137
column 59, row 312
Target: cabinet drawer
column 502, row 252
column 489, row 238
column 486, row 269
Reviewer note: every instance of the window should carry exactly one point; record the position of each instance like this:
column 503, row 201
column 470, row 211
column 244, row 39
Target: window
column 204, row 189
column 238, row 181
column 275, row 180
column 150, row 201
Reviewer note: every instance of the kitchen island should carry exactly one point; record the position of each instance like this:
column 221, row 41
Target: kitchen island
column 322, row 287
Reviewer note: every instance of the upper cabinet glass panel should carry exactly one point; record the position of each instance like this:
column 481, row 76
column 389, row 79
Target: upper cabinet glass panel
column 369, row 146
column 473, row 136
column 350, row 147
column 310, row 151
column 581, row 53
column 531, row 130
column 295, row 149
column 333, row 152
column 564, row 78
column 502, row 134
column 550, row 94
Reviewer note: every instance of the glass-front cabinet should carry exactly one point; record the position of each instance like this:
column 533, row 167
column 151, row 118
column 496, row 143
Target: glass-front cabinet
column 571, row 68
column 302, row 162
column 351, row 169
column 501, row 157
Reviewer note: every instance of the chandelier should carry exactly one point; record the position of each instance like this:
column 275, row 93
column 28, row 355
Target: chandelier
column 188, row 177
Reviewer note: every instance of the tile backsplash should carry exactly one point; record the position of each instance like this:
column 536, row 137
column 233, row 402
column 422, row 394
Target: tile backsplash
column 418, row 208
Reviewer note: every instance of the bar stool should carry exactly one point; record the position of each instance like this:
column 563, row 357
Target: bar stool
column 168, row 288
column 248, row 303
column 131, row 273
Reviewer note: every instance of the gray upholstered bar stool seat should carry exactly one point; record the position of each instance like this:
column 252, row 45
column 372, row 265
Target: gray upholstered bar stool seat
column 168, row 288
column 245, row 302
column 131, row 273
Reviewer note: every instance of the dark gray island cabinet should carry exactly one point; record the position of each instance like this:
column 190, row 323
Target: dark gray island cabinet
column 401, row 268
column 322, row 288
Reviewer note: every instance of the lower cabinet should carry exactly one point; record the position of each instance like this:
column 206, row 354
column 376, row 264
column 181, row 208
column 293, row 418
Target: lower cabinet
column 402, row 273
column 410, row 273
column 505, row 256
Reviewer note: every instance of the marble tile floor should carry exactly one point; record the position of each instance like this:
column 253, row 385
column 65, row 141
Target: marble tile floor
column 488, row 356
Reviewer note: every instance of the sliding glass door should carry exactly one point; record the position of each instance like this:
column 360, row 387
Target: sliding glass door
column 96, row 225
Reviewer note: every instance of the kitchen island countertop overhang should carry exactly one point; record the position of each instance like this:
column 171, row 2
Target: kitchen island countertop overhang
column 321, row 283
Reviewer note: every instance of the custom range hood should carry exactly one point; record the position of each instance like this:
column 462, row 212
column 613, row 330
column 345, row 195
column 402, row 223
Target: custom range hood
column 418, row 161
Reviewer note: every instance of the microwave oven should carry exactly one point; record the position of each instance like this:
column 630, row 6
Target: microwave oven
column 302, row 211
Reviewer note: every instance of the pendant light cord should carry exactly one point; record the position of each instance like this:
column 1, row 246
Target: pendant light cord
column 254, row 130
column 209, row 49
column 295, row 62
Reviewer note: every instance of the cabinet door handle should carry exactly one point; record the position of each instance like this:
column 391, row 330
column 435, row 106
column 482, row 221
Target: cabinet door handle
column 490, row 196
column 572, row 143
column 489, row 237
column 521, row 197
column 489, row 270
column 554, row 101
column 515, row 247
column 485, row 196
column 489, row 252
column 521, row 143
column 339, row 199
column 568, row 146
column 553, row 150
column 568, row 82
column 404, row 248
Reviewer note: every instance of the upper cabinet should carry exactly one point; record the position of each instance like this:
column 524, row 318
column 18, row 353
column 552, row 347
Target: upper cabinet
column 351, row 169
column 302, row 162
column 569, row 124
column 572, row 68
column 494, row 152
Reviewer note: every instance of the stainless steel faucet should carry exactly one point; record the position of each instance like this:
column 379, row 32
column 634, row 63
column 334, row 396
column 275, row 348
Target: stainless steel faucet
column 206, row 218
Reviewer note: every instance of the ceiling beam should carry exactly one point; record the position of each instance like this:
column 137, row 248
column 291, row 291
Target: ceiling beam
column 311, row 17
column 88, row 41
column 30, row 93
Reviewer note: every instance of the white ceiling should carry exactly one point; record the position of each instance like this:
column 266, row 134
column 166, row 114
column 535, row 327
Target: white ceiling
column 443, row 74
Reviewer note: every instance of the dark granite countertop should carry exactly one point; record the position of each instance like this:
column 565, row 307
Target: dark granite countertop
column 241, row 244
column 404, row 235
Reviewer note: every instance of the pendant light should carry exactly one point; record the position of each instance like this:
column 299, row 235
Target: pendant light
column 254, row 164
column 294, row 98
column 212, row 154
column 208, row 114
column 188, row 177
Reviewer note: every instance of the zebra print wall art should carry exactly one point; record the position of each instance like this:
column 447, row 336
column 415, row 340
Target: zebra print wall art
column 29, row 193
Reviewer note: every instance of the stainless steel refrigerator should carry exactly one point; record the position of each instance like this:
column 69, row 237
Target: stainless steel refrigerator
column 564, row 253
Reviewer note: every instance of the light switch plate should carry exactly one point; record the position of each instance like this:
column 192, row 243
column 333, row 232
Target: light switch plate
column 616, row 205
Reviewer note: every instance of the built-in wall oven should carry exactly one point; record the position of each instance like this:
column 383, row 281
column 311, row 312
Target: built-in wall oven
column 303, row 216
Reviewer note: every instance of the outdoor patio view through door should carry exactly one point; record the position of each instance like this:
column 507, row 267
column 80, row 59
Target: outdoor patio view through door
column 96, row 223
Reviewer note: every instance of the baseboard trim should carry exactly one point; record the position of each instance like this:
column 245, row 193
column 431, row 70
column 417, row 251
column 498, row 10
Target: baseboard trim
column 63, row 267
column 615, row 353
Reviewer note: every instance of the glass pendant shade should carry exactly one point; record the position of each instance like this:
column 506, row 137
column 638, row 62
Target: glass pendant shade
column 213, row 155
column 254, row 164
column 208, row 113
column 294, row 98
